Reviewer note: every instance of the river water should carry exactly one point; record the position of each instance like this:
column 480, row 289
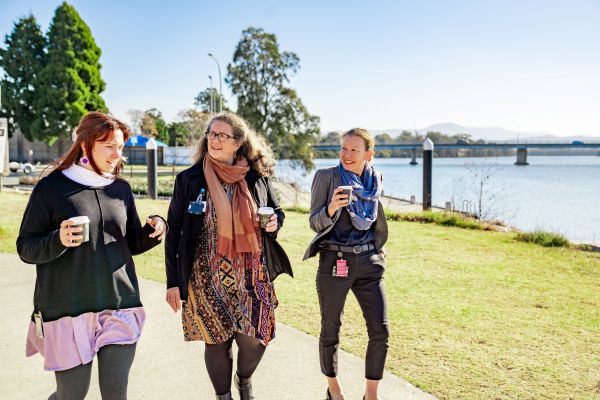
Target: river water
column 554, row 193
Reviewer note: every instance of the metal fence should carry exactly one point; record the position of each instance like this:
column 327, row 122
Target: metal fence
column 137, row 155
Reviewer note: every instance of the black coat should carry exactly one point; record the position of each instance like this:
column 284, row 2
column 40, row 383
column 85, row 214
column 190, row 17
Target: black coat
column 184, row 228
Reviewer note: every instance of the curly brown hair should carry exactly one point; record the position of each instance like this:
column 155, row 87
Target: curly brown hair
column 253, row 146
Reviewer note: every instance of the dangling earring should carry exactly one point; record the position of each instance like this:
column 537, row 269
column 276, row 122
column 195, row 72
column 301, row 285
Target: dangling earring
column 84, row 160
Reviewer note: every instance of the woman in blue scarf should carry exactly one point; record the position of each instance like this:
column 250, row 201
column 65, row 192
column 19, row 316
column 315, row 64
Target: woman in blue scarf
column 351, row 231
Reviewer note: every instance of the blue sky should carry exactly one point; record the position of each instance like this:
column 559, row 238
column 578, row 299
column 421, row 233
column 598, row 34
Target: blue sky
column 529, row 66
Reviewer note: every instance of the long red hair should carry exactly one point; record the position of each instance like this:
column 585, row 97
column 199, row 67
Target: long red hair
column 93, row 127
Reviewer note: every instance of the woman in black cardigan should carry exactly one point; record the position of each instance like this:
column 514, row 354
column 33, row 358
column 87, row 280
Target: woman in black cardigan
column 215, row 251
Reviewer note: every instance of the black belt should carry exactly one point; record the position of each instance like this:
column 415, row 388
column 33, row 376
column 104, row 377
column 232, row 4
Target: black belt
column 361, row 248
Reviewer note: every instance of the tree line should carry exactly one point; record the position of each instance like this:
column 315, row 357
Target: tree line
column 51, row 80
column 408, row 137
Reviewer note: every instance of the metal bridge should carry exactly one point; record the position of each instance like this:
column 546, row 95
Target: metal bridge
column 521, row 147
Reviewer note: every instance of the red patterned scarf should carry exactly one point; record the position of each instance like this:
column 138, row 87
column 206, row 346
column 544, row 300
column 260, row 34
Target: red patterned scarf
column 236, row 221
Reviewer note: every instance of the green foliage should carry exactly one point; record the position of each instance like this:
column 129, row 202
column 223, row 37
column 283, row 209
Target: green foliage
column 439, row 218
column 408, row 137
column 209, row 100
column 22, row 61
column 298, row 209
column 154, row 125
column 179, row 133
column 546, row 239
column 139, row 185
column 70, row 84
column 258, row 76
column 384, row 138
column 331, row 138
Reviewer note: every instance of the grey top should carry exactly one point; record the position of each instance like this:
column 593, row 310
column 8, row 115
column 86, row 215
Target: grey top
column 324, row 183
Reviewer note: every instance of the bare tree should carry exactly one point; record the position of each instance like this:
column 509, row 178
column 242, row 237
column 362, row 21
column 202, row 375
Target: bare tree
column 135, row 119
column 490, row 195
column 195, row 122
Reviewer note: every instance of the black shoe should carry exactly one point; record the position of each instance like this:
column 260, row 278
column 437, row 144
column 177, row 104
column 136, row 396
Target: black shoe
column 226, row 396
column 244, row 386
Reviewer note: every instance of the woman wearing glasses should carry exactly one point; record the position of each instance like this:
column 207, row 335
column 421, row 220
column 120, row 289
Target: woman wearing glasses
column 216, row 271
column 348, row 218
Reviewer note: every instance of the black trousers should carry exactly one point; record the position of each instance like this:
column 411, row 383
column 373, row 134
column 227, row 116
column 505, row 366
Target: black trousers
column 365, row 279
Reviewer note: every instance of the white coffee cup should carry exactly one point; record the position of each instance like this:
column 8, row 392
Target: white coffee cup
column 347, row 190
column 264, row 213
column 84, row 222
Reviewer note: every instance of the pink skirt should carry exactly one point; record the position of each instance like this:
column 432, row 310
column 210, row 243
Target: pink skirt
column 71, row 341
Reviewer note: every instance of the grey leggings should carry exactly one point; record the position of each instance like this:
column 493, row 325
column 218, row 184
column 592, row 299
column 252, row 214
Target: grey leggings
column 114, row 362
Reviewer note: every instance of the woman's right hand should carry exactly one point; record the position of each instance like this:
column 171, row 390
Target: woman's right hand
column 67, row 233
column 338, row 200
column 173, row 298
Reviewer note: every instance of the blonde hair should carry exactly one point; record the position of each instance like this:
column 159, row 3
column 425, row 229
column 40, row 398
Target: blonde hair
column 253, row 146
column 364, row 135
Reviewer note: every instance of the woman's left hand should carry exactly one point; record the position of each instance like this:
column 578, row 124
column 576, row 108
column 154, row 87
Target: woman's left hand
column 272, row 224
column 160, row 228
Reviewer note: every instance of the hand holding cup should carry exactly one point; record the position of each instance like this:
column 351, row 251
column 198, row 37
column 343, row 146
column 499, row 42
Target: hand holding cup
column 267, row 218
column 74, row 231
column 342, row 196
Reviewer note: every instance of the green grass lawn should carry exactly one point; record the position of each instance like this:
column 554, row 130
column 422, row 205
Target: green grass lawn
column 474, row 315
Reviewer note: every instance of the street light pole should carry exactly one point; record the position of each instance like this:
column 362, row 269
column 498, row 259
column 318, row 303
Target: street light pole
column 220, row 87
column 212, row 105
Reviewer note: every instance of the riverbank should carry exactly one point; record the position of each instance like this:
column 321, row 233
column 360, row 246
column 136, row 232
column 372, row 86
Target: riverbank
column 555, row 194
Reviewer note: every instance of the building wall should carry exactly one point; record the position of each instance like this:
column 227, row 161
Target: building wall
column 23, row 150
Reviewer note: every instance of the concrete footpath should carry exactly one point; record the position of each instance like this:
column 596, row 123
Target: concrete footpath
column 165, row 366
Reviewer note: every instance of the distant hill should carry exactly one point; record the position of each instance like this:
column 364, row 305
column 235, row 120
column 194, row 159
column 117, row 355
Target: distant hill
column 496, row 134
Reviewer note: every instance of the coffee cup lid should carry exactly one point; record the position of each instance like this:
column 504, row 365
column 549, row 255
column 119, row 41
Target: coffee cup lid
column 266, row 210
column 82, row 219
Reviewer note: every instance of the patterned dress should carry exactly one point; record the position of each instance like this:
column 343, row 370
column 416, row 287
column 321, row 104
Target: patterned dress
column 227, row 296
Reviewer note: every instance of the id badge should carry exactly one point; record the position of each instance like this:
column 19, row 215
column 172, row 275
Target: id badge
column 340, row 269
column 39, row 328
column 198, row 207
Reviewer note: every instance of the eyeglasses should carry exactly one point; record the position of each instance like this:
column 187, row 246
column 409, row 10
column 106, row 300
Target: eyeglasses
column 222, row 137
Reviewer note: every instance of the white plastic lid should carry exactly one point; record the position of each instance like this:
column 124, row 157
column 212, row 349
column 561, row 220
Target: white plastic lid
column 82, row 219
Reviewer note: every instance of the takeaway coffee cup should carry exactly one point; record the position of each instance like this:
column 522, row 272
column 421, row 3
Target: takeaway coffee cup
column 264, row 213
column 348, row 191
column 83, row 222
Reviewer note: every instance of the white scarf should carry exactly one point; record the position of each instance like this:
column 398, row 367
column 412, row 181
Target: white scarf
column 87, row 177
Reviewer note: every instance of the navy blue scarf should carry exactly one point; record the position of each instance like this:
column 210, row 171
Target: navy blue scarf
column 366, row 190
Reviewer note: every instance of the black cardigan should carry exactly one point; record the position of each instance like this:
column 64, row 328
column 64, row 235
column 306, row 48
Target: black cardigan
column 184, row 228
column 98, row 274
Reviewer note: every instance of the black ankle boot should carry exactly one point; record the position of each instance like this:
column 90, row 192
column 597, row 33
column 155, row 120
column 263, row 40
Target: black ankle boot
column 226, row 396
column 244, row 385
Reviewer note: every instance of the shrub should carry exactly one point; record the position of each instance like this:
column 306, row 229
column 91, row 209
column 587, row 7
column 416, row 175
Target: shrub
column 546, row 239
column 440, row 218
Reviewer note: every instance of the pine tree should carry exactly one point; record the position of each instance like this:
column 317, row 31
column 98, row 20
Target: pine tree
column 70, row 83
column 22, row 60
